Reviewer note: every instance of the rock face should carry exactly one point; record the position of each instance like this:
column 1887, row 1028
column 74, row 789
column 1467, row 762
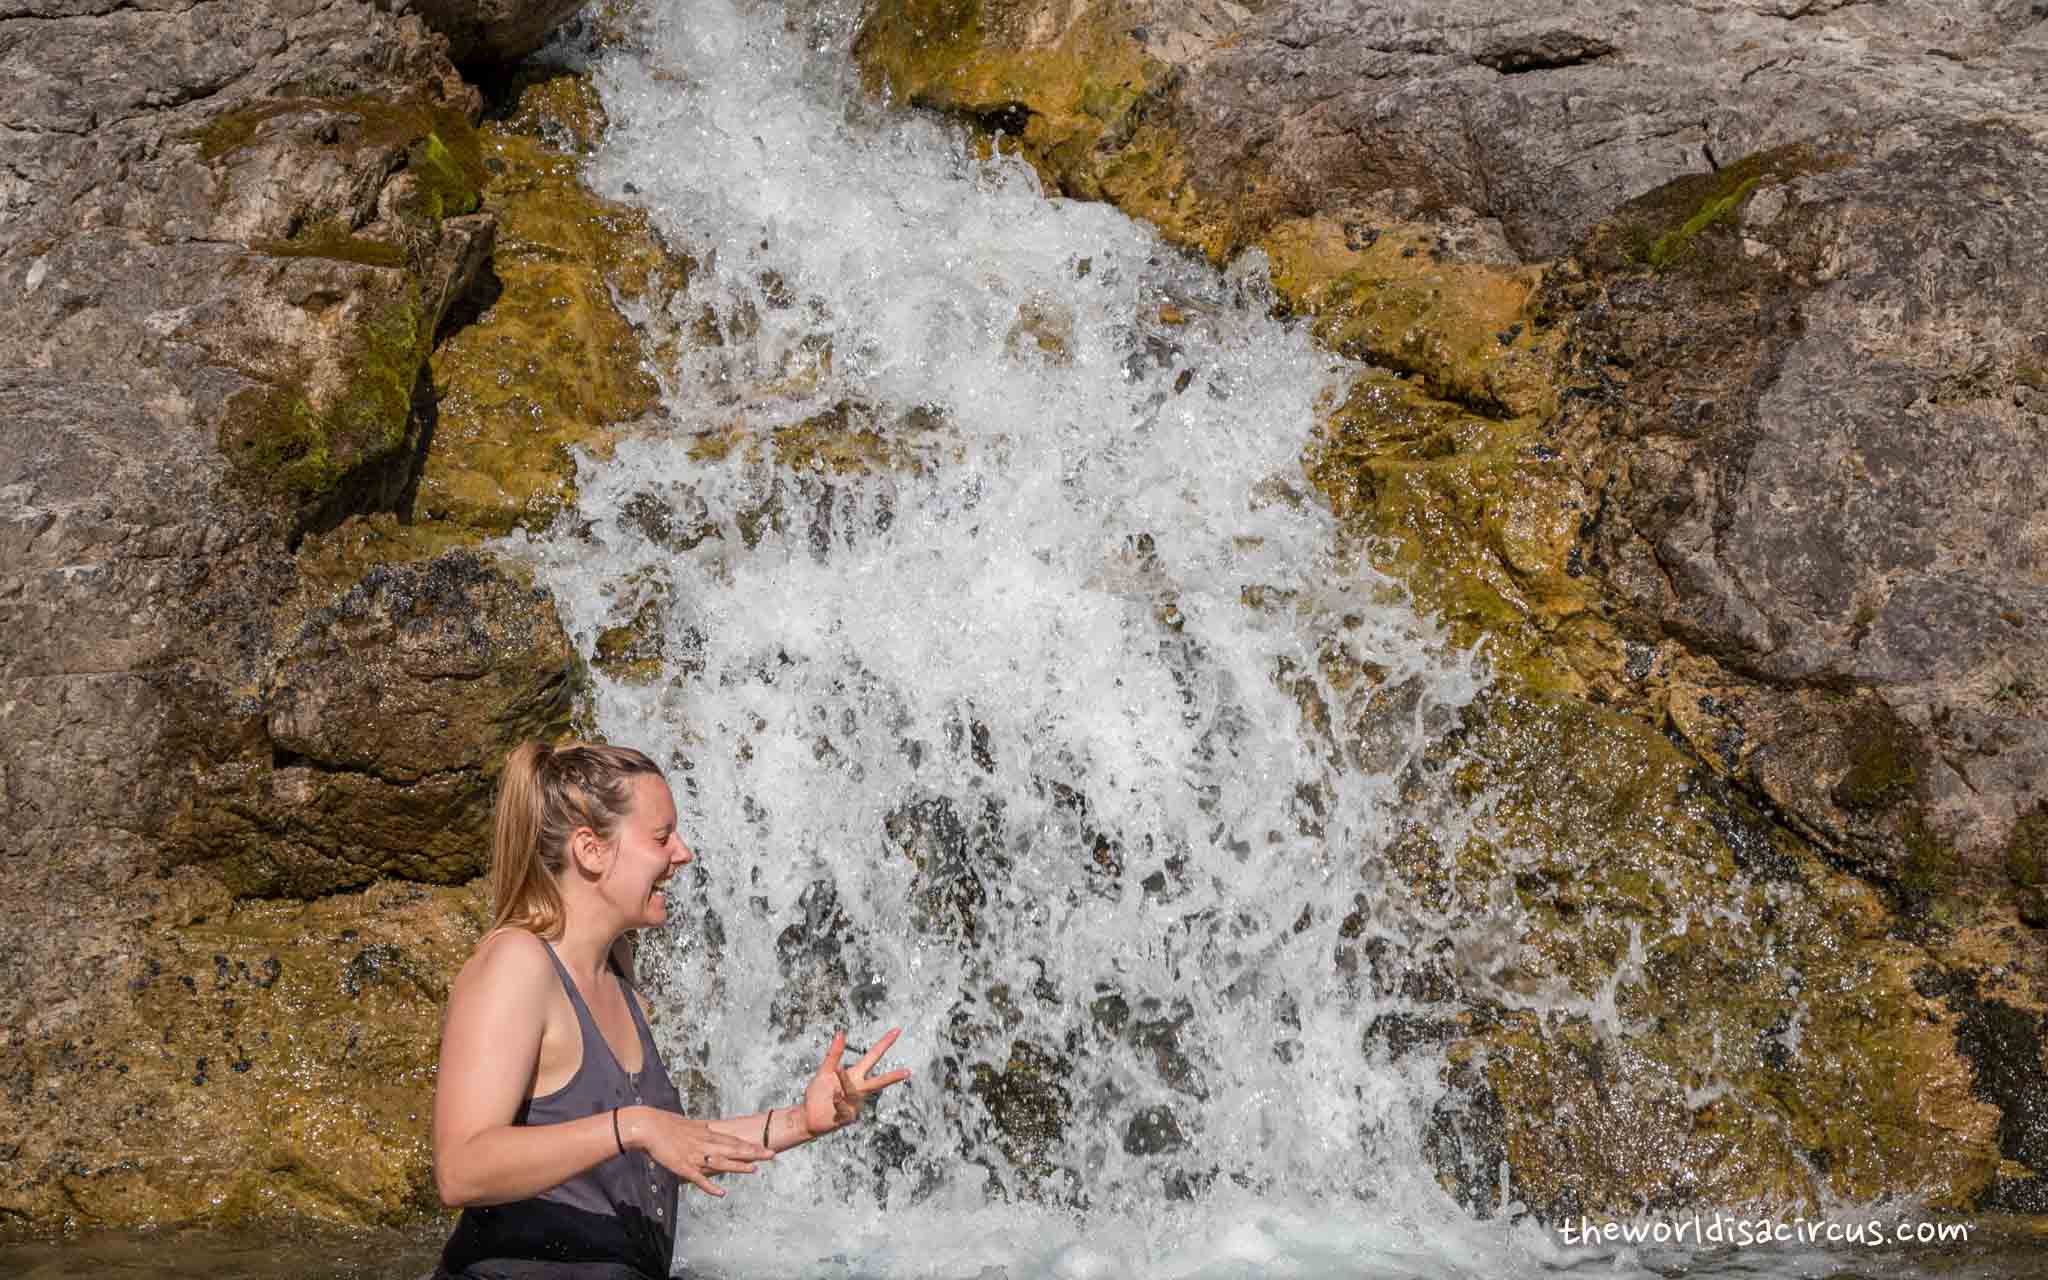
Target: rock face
column 1542, row 117
column 241, row 683
column 1705, row 365
column 1817, row 469
column 254, row 657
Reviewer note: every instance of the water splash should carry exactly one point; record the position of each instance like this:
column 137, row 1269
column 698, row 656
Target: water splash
column 1020, row 692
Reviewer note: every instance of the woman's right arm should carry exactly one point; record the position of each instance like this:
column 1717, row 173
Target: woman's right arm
column 490, row 1044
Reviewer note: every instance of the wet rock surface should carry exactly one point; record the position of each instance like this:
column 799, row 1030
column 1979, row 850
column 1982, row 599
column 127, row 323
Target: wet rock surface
column 236, row 1061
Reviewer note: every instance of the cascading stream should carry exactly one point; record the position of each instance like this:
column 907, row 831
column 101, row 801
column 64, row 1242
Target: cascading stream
column 1017, row 690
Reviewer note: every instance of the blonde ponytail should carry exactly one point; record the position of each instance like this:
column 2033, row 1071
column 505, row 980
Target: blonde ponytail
column 544, row 795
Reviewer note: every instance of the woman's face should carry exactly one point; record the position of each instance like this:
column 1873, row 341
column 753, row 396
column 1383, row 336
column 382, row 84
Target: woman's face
column 650, row 849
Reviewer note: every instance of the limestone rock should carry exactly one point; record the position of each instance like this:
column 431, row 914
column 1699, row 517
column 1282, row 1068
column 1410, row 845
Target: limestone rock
column 1824, row 426
column 398, row 686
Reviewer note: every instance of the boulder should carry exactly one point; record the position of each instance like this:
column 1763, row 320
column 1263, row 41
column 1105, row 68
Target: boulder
column 1806, row 394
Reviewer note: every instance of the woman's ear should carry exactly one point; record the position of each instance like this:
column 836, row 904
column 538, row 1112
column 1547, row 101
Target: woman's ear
column 591, row 855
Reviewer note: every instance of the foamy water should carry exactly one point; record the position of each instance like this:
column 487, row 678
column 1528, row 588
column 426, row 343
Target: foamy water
column 1061, row 733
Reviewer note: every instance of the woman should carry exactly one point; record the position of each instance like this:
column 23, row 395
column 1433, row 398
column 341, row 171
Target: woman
column 556, row 1128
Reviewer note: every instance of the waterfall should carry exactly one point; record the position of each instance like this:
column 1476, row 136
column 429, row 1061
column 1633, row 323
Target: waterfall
column 1017, row 689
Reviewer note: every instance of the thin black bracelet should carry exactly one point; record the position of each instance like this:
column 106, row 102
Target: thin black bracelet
column 767, row 1120
column 615, row 1131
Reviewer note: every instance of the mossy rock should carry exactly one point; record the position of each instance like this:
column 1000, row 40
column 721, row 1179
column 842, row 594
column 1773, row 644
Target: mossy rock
column 1478, row 517
column 315, row 423
column 335, row 239
column 632, row 650
column 437, row 140
column 269, row 1061
column 1466, row 331
column 559, row 108
column 1691, row 224
column 1088, row 110
column 1881, row 770
column 404, row 674
column 300, row 439
column 552, row 365
column 2026, row 854
column 1724, row 990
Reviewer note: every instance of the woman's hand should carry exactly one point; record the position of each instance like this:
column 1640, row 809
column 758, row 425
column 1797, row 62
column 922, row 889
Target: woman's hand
column 836, row 1094
column 692, row 1149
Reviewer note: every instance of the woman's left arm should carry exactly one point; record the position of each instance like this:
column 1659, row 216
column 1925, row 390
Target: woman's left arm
column 831, row 1101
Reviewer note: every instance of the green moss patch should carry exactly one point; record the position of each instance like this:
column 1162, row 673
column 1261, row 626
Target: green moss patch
column 334, row 239
column 1673, row 245
column 285, row 439
column 1689, row 222
column 2026, row 854
column 1881, row 772
column 439, row 143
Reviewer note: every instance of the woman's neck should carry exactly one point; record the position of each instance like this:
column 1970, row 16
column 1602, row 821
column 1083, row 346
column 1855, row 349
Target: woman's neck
column 585, row 943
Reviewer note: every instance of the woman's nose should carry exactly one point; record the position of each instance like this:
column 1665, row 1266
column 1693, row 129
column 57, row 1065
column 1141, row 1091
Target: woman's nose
column 683, row 852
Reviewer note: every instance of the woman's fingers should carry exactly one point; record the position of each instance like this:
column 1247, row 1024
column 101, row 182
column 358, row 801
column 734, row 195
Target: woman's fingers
column 833, row 1054
column 874, row 1054
column 880, row 1083
column 697, row 1179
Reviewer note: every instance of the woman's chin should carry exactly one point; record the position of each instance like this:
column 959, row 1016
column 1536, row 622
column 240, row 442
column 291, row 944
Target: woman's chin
column 656, row 909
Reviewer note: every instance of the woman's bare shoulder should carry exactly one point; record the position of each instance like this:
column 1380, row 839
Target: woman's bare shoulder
column 508, row 961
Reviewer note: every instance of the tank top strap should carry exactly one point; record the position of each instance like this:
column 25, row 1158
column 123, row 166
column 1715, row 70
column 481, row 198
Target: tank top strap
column 592, row 1035
column 648, row 1053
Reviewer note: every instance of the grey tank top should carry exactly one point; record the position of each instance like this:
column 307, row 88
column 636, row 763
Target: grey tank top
column 616, row 1219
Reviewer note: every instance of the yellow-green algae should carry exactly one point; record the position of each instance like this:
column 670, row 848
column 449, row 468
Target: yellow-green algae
column 1079, row 108
column 552, row 365
column 1675, row 225
column 435, row 136
column 334, row 239
column 270, row 1060
column 299, row 435
column 1618, row 844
